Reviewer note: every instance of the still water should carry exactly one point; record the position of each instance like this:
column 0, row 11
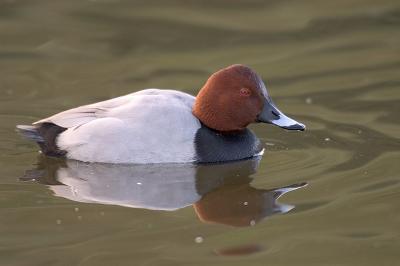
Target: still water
column 333, row 65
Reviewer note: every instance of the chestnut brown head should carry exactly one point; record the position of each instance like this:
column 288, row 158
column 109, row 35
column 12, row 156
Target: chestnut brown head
column 236, row 96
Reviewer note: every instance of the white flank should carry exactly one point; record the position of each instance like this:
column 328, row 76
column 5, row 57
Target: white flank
column 150, row 126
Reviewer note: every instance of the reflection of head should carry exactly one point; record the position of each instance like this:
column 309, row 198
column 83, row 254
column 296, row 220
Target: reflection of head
column 241, row 205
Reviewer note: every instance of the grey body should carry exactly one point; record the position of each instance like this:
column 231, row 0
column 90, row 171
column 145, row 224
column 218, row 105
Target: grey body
column 150, row 126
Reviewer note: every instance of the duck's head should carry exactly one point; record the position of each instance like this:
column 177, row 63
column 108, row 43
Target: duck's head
column 235, row 97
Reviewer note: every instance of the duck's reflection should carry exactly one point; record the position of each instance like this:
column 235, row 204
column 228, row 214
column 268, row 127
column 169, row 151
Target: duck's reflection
column 220, row 193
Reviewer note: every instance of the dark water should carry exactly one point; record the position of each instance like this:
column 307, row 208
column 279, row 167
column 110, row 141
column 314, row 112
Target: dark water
column 333, row 65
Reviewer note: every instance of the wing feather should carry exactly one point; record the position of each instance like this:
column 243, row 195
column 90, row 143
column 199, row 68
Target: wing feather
column 86, row 113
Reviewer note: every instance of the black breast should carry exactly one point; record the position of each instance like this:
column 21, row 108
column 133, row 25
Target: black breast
column 213, row 146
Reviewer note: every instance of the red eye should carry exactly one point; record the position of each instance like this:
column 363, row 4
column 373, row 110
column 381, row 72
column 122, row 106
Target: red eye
column 245, row 92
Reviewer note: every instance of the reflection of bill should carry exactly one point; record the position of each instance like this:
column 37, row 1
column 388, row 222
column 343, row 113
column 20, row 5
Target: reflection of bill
column 220, row 193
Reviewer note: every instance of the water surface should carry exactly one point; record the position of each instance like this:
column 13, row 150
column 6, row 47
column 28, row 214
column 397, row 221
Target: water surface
column 334, row 66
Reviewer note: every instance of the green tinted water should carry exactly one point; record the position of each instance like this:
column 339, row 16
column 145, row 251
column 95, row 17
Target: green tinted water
column 332, row 65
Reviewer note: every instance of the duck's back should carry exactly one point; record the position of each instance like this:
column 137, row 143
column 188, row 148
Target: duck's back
column 150, row 126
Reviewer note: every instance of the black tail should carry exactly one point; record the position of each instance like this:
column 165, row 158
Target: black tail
column 45, row 135
column 30, row 132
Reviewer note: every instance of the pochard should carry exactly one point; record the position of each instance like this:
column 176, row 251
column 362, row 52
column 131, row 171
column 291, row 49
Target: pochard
column 166, row 126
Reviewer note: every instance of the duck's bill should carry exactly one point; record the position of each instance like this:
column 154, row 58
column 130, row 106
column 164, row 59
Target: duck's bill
column 272, row 115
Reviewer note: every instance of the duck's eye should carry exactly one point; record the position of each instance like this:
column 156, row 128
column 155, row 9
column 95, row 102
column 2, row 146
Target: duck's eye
column 245, row 92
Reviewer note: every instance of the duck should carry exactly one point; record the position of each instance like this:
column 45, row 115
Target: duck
column 166, row 126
